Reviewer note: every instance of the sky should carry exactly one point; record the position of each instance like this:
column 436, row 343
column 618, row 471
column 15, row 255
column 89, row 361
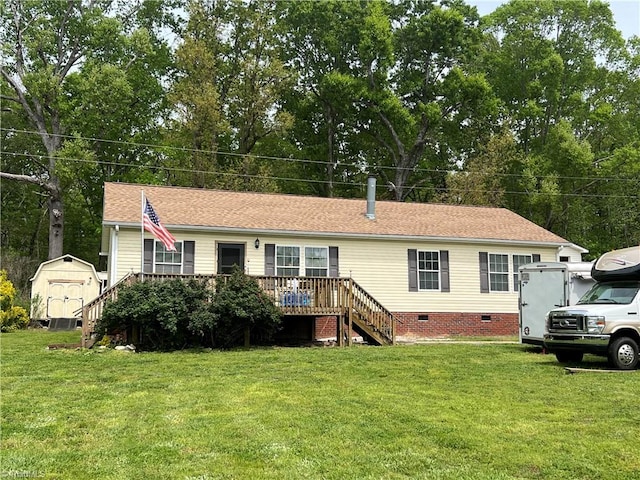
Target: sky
column 625, row 12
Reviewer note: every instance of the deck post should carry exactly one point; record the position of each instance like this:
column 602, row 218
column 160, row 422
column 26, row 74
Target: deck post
column 350, row 306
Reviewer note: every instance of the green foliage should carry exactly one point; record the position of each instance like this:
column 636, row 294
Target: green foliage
column 239, row 305
column 12, row 317
column 157, row 313
column 37, row 306
column 174, row 314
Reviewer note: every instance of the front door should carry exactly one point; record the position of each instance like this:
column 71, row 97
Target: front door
column 230, row 255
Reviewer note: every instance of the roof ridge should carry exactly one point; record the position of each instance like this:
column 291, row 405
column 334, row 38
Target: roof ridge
column 298, row 195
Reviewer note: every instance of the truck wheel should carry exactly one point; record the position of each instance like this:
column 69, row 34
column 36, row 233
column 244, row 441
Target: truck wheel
column 623, row 353
column 569, row 356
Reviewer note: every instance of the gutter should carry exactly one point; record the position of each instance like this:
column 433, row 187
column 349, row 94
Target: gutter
column 359, row 236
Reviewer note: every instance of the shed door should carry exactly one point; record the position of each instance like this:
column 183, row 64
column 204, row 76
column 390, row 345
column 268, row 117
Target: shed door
column 65, row 299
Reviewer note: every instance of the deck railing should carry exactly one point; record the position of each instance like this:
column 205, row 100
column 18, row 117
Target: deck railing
column 317, row 296
column 372, row 312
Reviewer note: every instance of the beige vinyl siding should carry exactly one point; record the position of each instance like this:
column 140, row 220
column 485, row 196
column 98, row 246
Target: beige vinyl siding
column 382, row 269
column 379, row 266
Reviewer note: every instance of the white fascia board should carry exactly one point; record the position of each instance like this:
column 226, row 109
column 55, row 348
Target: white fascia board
column 289, row 233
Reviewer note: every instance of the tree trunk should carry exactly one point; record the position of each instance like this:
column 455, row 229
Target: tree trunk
column 247, row 337
column 56, row 221
column 55, row 205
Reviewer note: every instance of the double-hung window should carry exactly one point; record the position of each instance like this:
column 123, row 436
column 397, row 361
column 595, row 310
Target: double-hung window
column 428, row 270
column 166, row 261
column 287, row 260
column 316, row 261
column 518, row 261
column 498, row 272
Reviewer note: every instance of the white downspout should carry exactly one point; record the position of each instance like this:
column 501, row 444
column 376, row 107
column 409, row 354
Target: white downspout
column 113, row 255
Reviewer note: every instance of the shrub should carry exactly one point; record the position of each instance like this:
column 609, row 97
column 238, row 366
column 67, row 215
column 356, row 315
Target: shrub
column 12, row 317
column 157, row 313
column 239, row 307
column 174, row 314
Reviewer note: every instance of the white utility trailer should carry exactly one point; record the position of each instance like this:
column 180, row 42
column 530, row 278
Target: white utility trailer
column 545, row 286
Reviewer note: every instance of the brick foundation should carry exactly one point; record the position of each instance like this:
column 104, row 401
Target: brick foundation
column 438, row 324
column 326, row 327
column 433, row 325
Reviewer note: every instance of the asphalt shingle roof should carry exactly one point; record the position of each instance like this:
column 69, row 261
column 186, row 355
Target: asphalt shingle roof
column 210, row 209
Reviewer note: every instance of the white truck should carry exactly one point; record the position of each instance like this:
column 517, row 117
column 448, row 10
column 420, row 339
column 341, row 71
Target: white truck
column 544, row 286
column 606, row 320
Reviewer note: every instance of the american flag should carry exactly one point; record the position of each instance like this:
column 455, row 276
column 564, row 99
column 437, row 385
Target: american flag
column 152, row 224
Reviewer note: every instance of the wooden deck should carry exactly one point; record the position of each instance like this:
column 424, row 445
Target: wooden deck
column 355, row 309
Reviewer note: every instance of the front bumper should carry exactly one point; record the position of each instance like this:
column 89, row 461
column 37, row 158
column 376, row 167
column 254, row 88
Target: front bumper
column 587, row 343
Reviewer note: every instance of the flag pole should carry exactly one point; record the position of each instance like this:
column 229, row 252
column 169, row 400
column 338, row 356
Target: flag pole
column 141, row 234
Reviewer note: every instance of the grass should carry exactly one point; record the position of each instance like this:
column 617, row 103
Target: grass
column 436, row 411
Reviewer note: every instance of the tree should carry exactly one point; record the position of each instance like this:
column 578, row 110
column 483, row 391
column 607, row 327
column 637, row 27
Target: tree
column 230, row 80
column 72, row 72
column 323, row 42
column 561, row 71
column 416, row 109
column 549, row 60
column 486, row 176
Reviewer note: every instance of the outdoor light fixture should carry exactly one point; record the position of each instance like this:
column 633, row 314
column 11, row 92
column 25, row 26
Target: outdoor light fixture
column 257, row 243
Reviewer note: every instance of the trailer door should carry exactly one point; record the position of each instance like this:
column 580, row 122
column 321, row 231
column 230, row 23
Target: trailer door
column 541, row 289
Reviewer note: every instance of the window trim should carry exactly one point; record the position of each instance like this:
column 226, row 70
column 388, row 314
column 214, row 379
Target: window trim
column 277, row 267
column 507, row 273
column 326, row 267
column 412, row 270
column 438, row 271
column 182, row 256
column 485, row 273
column 271, row 259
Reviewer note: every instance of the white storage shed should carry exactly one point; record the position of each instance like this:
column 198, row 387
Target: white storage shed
column 59, row 290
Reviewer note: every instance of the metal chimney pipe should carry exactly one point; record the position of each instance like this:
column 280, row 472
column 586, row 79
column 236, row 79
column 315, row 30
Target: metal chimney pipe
column 371, row 198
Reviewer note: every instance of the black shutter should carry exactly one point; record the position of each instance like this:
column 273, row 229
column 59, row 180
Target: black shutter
column 484, row 272
column 413, row 270
column 189, row 251
column 535, row 257
column 333, row 262
column 148, row 256
column 444, row 271
column 270, row 259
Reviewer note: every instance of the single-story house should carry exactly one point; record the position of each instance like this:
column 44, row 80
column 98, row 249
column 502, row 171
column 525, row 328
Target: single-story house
column 440, row 269
column 60, row 288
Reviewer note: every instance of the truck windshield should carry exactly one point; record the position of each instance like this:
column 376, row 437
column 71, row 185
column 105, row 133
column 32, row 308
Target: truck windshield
column 611, row 292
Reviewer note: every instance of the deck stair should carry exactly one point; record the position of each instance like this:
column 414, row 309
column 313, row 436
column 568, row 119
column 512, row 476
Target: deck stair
column 368, row 317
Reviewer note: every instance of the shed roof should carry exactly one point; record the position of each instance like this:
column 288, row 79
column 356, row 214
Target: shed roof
column 46, row 264
column 186, row 208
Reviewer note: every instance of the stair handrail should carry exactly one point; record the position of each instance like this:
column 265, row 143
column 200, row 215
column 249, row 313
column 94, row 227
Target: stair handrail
column 372, row 311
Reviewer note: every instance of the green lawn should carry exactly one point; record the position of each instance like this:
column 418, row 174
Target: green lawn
column 435, row 411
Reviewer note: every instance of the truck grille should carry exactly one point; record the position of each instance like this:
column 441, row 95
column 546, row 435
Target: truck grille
column 566, row 322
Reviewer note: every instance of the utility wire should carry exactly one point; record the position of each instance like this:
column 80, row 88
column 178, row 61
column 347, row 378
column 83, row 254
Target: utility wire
column 337, row 182
column 289, row 159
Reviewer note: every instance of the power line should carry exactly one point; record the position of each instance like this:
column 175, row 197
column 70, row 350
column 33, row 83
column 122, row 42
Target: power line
column 337, row 182
column 297, row 160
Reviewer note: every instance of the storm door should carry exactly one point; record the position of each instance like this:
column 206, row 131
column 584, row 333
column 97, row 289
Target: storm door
column 230, row 255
